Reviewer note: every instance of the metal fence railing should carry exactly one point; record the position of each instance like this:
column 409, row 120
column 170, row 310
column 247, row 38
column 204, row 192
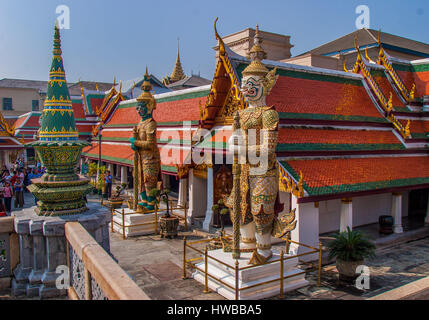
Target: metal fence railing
column 205, row 256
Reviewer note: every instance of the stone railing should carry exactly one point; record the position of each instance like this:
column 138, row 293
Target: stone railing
column 9, row 250
column 94, row 275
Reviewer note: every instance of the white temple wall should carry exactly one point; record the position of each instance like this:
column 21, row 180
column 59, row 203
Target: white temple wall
column 366, row 210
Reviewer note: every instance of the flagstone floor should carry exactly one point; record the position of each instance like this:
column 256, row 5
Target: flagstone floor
column 155, row 264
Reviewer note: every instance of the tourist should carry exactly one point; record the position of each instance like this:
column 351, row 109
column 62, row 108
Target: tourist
column 26, row 179
column 6, row 176
column 19, row 193
column 109, row 180
column 13, row 179
column 7, row 197
column 4, row 170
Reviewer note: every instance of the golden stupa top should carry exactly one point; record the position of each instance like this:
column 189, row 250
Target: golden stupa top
column 177, row 73
column 256, row 54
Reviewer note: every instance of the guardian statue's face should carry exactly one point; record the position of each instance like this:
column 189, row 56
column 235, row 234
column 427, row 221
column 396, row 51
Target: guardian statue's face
column 252, row 88
column 142, row 109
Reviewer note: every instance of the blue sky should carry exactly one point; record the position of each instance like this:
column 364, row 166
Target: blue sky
column 119, row 38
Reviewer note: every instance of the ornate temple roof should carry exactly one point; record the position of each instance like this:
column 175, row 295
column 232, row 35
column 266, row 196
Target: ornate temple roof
column 335, row 137
column 343, row 177
column 334, row 129
column 177, row 114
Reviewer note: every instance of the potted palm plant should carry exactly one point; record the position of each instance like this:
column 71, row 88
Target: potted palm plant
column 116, row 200
column 350, row 248
column 222, row 211
column 168, row 223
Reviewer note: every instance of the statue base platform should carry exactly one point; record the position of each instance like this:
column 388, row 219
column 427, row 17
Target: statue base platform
column 249, row 277
column 133, row 223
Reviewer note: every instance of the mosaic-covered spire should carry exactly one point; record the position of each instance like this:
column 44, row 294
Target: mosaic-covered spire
column 57, row 123
column 177, row 73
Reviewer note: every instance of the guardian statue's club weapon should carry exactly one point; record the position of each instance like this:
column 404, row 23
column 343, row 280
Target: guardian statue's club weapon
column 136, row 174
column 236, row 176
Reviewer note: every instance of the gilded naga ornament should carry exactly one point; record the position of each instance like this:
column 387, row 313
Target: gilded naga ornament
column 146, row 153
column 255, row 139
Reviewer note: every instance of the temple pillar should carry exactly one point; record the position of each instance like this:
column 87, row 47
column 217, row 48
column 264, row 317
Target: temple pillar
column 346, row 218
column 197, row 198
column 210, row 194
column 124, row 175
column 183, row 185
column 397, row 212
column 307, row 228
column 110, row 168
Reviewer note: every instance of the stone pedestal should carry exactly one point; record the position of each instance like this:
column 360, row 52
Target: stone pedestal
column 249, row 277
column 134, row 219
column 43, row 247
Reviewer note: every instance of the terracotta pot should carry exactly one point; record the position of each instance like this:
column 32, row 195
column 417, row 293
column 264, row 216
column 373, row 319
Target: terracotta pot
column 115, row 202
column 347, row 269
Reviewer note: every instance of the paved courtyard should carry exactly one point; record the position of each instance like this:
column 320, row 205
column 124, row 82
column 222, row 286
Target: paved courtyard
column 155, row 264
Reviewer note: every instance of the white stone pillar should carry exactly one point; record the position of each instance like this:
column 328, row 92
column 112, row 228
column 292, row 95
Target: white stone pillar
column 397, row 212
column 210, row 193
column 307, row 228
column 124, row 175
column 183, row 185
column 346, row 218
column 191, row 189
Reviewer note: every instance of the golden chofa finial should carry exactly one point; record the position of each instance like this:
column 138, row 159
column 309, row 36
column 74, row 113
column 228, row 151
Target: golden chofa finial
column 345, row 69
column 407, row 132
column 366, row 55
column 221, row 44
column 413, row 92
column 132, row 88
column 96, row 86
column 120, row 86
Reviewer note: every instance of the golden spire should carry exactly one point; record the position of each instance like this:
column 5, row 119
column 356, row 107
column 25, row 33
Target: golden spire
column 177, row 73
column 256, row 55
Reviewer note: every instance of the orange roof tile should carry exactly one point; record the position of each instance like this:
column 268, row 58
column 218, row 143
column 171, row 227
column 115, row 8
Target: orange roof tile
column 297, row 95
column 327, row 176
